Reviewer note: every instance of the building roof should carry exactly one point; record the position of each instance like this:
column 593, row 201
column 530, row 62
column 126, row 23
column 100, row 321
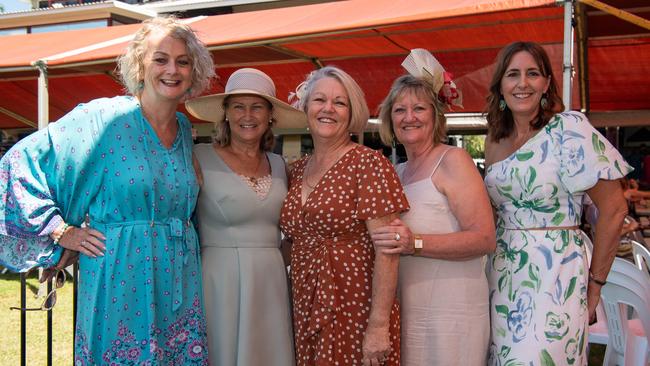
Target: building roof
column 74, row 13
column 367, row 38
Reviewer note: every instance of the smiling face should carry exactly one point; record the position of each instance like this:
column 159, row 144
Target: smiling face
column 167, row 68
column 413, row 118
column 523, row 85
column 328, row 109
column 248, row 117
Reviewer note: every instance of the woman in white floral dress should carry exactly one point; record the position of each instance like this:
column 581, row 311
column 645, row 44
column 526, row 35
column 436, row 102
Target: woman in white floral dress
column 540, row 164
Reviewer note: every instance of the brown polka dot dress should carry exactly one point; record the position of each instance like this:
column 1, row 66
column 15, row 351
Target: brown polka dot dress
column 332, row 257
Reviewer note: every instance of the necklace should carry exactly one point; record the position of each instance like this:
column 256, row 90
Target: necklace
column 328, row 166
column 307, row 173
column 248, row 174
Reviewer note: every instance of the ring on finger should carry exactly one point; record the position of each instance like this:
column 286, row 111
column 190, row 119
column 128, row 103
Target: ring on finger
column 397, row 236
column 83, row 243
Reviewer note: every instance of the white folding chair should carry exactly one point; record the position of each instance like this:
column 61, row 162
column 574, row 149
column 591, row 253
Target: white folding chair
column 598, row 331
column 628, row 343
column 641, row 256
column 636, row 234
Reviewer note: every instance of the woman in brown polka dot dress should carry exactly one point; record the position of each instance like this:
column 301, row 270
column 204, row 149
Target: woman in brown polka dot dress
column 344, row 306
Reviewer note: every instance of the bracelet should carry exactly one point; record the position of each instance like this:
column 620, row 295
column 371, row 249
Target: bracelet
column 57, row 234
column 595, row 280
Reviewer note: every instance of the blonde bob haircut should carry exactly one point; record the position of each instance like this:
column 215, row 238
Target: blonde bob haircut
column 130, row 65
column 423, row 90
column 359, row 113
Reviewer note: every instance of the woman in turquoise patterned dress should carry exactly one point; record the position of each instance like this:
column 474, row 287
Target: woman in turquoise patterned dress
column 540, row 164
column 124, row 166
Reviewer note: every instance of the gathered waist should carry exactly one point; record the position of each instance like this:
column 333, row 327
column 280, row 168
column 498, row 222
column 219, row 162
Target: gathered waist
column 333, row 241
column 177, row 227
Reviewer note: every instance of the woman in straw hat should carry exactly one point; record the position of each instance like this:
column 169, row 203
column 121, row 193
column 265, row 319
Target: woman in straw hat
column 448, row 230
column 124, row 166
column 244, row 185
column 344, row 306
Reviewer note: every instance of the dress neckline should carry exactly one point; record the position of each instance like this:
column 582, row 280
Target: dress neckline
column 318, row 184
column 154, row 136
column 512, row 154
column 240, row 178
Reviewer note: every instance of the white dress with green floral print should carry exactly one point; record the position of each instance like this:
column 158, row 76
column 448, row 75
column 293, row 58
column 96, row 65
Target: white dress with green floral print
column 538, row 278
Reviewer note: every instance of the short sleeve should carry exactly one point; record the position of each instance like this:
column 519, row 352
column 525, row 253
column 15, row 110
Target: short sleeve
column 585, row 155
column 379, row 190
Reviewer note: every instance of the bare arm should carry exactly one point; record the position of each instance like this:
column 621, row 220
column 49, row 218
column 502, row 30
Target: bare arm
column 376, row 342
column 197, row 170
column 470, row 205
column 612, row 208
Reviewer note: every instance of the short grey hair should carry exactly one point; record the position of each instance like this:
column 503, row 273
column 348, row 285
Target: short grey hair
column 359, row 113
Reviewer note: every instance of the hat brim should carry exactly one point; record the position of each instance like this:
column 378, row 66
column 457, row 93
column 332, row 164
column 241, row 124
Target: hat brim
column 210, row 108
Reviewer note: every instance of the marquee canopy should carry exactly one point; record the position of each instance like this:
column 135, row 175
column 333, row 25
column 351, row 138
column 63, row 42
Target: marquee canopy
column 367, row 38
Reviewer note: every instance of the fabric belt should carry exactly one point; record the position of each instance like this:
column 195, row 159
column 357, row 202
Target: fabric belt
column 178, row 230
column 575, row 227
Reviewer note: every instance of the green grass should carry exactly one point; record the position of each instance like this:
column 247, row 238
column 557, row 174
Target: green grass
column 62, row 326
column 62, row 342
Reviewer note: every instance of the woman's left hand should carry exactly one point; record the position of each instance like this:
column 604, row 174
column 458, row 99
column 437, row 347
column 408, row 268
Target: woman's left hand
column 376, row 346
column 593, row 297
column 395, row 238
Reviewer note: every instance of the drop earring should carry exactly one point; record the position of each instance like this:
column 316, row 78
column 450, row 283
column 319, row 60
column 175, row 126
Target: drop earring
column 502, row 105
column 544, row 101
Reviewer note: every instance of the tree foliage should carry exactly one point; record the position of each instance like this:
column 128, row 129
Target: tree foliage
column 475, row 145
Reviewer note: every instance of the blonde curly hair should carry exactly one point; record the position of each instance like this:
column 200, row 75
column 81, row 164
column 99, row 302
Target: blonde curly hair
column 130, row 65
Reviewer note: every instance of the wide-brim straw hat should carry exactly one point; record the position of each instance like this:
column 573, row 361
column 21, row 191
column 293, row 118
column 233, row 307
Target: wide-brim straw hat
column 247, row 81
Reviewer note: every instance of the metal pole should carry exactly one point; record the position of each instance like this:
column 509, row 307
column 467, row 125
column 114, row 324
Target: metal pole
column 75, row 285
column 43, row 95
column 567, row 64
column 23, row 320
column 49, row 327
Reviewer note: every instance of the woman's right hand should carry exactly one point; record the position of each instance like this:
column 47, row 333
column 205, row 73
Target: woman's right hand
column 84, row 240
column 68, row 258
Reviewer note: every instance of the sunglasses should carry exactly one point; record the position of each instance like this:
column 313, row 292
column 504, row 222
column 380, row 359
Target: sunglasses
column 50, row 300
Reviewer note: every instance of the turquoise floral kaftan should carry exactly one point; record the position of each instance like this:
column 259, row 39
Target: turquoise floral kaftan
column 141, row 303
column 538, row 278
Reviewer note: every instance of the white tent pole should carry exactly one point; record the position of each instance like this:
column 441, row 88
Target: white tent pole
column 43, row 95
column 567, row 67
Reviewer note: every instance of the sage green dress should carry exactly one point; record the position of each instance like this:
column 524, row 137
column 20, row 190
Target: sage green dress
column 245, row 282
column 538, row 278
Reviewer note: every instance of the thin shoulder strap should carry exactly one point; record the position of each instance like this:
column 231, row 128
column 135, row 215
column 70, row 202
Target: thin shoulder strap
column 442, row 156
